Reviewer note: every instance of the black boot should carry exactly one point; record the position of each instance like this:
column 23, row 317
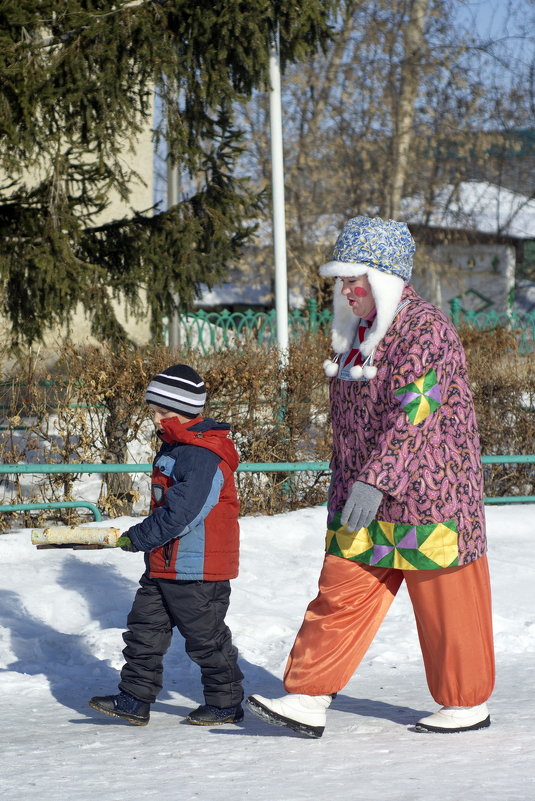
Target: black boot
column 208, row 715
column 123, row 706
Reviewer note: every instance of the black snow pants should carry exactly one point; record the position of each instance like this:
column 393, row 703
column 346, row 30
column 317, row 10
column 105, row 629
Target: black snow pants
column 197, row 609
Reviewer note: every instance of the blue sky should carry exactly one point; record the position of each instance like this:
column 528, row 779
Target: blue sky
column 489, row 15
column 500, row 18
column 510, row 26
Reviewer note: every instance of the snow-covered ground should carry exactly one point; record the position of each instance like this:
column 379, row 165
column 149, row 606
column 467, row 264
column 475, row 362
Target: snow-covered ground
column 61, row 617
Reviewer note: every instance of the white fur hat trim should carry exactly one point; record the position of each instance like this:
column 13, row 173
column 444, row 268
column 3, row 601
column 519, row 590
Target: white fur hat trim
column 343, row 269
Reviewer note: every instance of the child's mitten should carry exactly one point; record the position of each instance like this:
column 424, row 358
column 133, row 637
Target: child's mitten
column 126, row 544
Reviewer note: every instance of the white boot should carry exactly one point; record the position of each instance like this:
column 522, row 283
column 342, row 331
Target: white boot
column 451, row 719
column 305, row 714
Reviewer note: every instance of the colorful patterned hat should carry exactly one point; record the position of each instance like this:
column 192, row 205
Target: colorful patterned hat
column 386, row 245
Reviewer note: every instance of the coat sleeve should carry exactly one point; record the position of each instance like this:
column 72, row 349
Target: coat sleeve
column 198, row 483
column 426, row 383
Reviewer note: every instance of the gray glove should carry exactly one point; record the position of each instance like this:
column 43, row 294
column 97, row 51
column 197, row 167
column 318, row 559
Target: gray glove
column 361, row 506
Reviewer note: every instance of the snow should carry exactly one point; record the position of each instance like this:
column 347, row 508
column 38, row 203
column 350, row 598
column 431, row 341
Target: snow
column 253, row 293
column 478, row 206
column 61, row 617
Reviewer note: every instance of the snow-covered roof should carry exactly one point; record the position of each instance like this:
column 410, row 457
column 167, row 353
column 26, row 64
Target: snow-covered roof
column 246, row 294
column 476, row 206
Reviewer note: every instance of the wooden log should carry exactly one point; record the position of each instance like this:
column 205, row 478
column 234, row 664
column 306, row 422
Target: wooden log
column 76, row 537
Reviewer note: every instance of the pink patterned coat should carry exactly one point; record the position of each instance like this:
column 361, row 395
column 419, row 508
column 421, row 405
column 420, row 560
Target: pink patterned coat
column 412, row 433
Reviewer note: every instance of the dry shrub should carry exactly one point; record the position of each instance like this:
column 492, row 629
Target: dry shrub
column 278, row 413
column 503, row 384
column 87, row 408
column 41, row 423
column 109, row 385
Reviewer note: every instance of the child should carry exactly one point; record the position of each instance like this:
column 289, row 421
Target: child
column 191, row 545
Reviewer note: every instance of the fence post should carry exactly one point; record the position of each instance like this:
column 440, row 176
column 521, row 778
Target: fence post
column 455, row 311
column 312, row 306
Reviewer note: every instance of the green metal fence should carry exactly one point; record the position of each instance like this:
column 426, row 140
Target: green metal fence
column 210, row 331
column 521, row 322
column 244, row 467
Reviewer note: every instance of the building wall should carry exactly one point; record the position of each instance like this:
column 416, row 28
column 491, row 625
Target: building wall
column 482, row 276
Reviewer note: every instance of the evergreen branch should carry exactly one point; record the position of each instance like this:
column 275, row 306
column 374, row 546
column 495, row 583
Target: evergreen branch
column 68, row 36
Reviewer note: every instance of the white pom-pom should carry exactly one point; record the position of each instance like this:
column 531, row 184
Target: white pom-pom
column 369, row 371
column 330, row 368
column 356, row 371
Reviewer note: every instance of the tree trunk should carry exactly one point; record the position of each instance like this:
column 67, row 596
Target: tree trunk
column 414, row 42
column 120, row 495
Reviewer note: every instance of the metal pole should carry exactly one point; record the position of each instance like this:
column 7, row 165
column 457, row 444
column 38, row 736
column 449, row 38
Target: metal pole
column 277, row 184
column 173, row 339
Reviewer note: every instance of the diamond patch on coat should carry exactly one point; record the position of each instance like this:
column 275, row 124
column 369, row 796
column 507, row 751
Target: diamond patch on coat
column 421, row 397
column 397, row 545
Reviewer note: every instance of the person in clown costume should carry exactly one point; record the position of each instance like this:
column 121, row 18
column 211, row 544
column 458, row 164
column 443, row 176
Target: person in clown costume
column 406, row 495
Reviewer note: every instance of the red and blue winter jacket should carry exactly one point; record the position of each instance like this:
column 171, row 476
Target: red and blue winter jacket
column 192, row 532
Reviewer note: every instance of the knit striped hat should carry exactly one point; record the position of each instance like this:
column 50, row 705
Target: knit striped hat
column 179, row 389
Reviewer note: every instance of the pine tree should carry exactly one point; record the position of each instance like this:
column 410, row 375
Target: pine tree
column 77, row 81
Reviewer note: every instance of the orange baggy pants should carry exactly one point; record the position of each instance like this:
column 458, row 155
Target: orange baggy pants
column 452, row 608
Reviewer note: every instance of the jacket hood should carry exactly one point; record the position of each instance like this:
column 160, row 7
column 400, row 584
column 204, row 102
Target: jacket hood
column 203, row 432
